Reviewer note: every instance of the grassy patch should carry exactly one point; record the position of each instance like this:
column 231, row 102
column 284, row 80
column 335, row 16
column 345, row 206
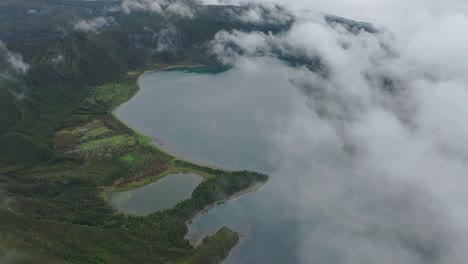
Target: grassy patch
column 96, row 133
column 107, row 145
column 129, row 158
column 111, row 95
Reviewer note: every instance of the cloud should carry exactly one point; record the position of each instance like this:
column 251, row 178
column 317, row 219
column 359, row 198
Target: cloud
column 164, row 7
column 398, row 15
column 142, row 5
column 229, row 46
column 94, row 25
column 165, row 39
column 179, row 9
column 375, row 166
column 13, row 60
column 32, row 12
column 263, row 13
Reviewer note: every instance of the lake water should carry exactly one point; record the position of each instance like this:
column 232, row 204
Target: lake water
column 221, row 119
column 226, row 119
column 162, row 194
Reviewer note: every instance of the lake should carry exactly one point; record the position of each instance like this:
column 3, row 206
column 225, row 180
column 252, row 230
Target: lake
column 226, row 119
column 157, row 196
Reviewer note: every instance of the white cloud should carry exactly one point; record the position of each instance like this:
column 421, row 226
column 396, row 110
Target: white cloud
column 94, row 25
column 14, row 60
column 165, row 39
column 265, row 13
column 180, row 9
column 143, row 5
column 164, row 7
column 229, row 46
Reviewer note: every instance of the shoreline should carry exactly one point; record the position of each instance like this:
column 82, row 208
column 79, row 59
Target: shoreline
column 154, row 141
column 231, row 198
column 236, row 246
column 155, row 144
column 171, row 67
column 158, row 144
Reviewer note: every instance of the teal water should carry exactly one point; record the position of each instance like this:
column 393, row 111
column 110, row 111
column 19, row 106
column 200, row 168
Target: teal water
column 221, row 119
column 157, row 196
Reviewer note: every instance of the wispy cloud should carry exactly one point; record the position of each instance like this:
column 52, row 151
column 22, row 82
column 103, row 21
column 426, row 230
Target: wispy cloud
column 143, row 5
column 15, row 61
column 164, row 7
column 179, row 9
column 94, row 25
column 261, row 13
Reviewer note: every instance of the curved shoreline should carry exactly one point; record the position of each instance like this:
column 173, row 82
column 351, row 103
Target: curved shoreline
column 154, row 141
column 233, row 197
column 157, row 145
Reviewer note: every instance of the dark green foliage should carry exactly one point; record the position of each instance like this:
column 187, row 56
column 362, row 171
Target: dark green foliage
column 50, row 18
column 70, row 243
column 18, row 148
column 216, row 189
column 67, row 196
column 214, row 248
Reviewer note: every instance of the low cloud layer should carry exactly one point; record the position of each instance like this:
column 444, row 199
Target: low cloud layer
column 379, row 159
column 261, row 13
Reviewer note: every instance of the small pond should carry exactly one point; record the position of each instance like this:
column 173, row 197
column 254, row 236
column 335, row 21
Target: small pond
column 160, row 195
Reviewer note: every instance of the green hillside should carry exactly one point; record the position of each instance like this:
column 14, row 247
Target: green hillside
column 60, row 148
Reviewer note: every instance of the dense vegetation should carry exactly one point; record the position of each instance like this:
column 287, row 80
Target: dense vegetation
column 61, row 149
column 53, row 210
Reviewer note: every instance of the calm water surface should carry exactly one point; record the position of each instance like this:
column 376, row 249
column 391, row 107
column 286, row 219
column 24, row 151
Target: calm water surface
column 162, row 194
column 224, row 119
